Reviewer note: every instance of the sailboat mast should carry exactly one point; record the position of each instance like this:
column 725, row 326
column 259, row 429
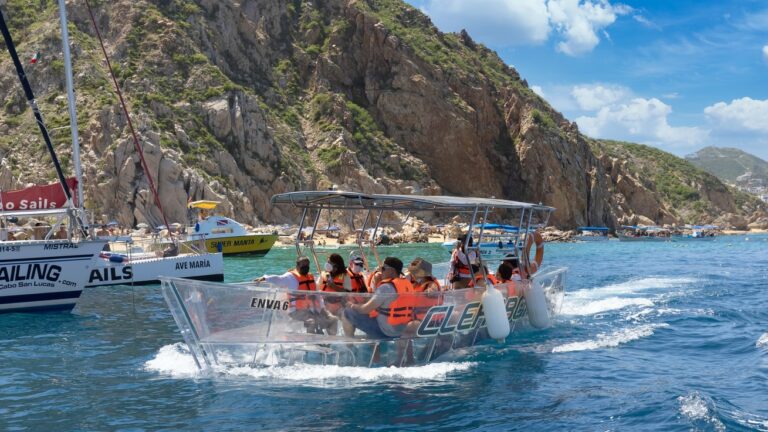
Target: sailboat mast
column 33, row 104
column 71, row 101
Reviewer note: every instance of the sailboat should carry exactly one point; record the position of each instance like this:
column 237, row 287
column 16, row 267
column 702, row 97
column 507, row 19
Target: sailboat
column 145, row 266
column 44, row 273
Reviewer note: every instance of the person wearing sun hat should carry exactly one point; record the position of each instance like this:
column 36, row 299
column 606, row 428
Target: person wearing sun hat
column 420, row 272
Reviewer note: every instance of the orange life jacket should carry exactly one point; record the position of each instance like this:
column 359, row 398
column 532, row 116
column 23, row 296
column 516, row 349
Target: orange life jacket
column 325, row 286
column 461, row 268
column 306, row 283
column 489, row 277
column 338, row 280
column 358, row 282
column 369, row 281
column 400, row 311
column 422, row 303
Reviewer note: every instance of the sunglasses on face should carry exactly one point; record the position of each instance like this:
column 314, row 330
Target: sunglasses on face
column 385, row 267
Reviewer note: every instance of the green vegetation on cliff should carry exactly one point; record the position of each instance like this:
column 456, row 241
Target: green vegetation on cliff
column 729, row 163
column 689, row 190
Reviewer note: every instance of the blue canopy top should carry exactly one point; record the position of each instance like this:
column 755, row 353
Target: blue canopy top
column 645, row 228
column 592, row 228
column 508, row 228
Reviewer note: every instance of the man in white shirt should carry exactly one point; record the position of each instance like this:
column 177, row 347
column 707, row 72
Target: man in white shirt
column 315, row 317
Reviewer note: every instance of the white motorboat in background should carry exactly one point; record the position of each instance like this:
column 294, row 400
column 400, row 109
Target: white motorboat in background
column 222, row 234
column 592, row 234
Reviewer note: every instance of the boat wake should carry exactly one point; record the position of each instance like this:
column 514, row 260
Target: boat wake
column 592, row 301
column 763, row 341
column 611, row 340
column 175, row 361
column 701, row 411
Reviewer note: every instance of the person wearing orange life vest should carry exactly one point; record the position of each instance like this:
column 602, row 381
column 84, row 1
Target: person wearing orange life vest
column 355, row 273
column 303, row 307
column 460, row 275
column 420, row 275
column 507, row 277
column 426, row 294
column 335, row 279
column 479, row 280
column 382, row 316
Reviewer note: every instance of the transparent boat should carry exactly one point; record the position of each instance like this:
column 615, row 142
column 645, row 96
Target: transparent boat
column 257, row 324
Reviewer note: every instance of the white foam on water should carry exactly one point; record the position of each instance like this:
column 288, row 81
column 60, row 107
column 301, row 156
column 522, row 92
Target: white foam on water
column 763, row 341
column 611, row 340
column 176, row 361
column 699, row 409
column 633, row 286
column 603, row 305
column 310, row 374
column 618, row 296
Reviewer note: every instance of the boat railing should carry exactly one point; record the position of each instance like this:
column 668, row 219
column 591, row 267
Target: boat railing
column 233, row 323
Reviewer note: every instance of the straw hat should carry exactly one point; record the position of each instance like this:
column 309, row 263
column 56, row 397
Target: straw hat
column 420, row 268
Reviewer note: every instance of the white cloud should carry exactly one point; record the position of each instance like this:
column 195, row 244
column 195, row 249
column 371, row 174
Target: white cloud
column 526, row 22
column 579, row 22
column 538, row 90
column 641, row 120
column 765, row 52
column 495, row 22
column 592, row 97
column 745, row 113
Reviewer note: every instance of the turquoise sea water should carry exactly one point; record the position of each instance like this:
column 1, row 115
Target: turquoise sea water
column 670, row 336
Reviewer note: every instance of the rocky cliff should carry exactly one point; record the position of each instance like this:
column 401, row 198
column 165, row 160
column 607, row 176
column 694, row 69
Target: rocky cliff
column 728, row 164
column 239, row 100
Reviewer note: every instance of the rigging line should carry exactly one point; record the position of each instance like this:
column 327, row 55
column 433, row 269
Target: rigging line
column 36, row 111
column 130, row 123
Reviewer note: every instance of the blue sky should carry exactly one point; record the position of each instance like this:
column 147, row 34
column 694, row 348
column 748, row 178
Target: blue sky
column 676, row 74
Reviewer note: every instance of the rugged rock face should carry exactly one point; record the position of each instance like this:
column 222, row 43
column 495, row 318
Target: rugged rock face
column 238, row 100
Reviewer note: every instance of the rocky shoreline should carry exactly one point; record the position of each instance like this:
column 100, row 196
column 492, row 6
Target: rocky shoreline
column 287, row 235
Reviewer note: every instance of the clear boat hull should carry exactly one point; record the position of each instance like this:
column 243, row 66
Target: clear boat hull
column 255, row 324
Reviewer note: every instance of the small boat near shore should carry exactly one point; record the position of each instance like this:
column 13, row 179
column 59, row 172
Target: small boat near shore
column 644, row 234
column 252, row 323
column 499, row 240
column 698, row 233
column 588, row 234
column 225, row 235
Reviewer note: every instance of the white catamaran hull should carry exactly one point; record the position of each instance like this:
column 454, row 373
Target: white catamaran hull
column 46, row 274
column 208, row 267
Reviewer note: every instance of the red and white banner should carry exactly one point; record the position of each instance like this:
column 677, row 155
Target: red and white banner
column 38, row 197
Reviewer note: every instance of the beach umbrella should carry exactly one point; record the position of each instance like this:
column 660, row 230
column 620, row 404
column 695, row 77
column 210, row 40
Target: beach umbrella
column 142, row 225
column 175, row 225
column 112, row 223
